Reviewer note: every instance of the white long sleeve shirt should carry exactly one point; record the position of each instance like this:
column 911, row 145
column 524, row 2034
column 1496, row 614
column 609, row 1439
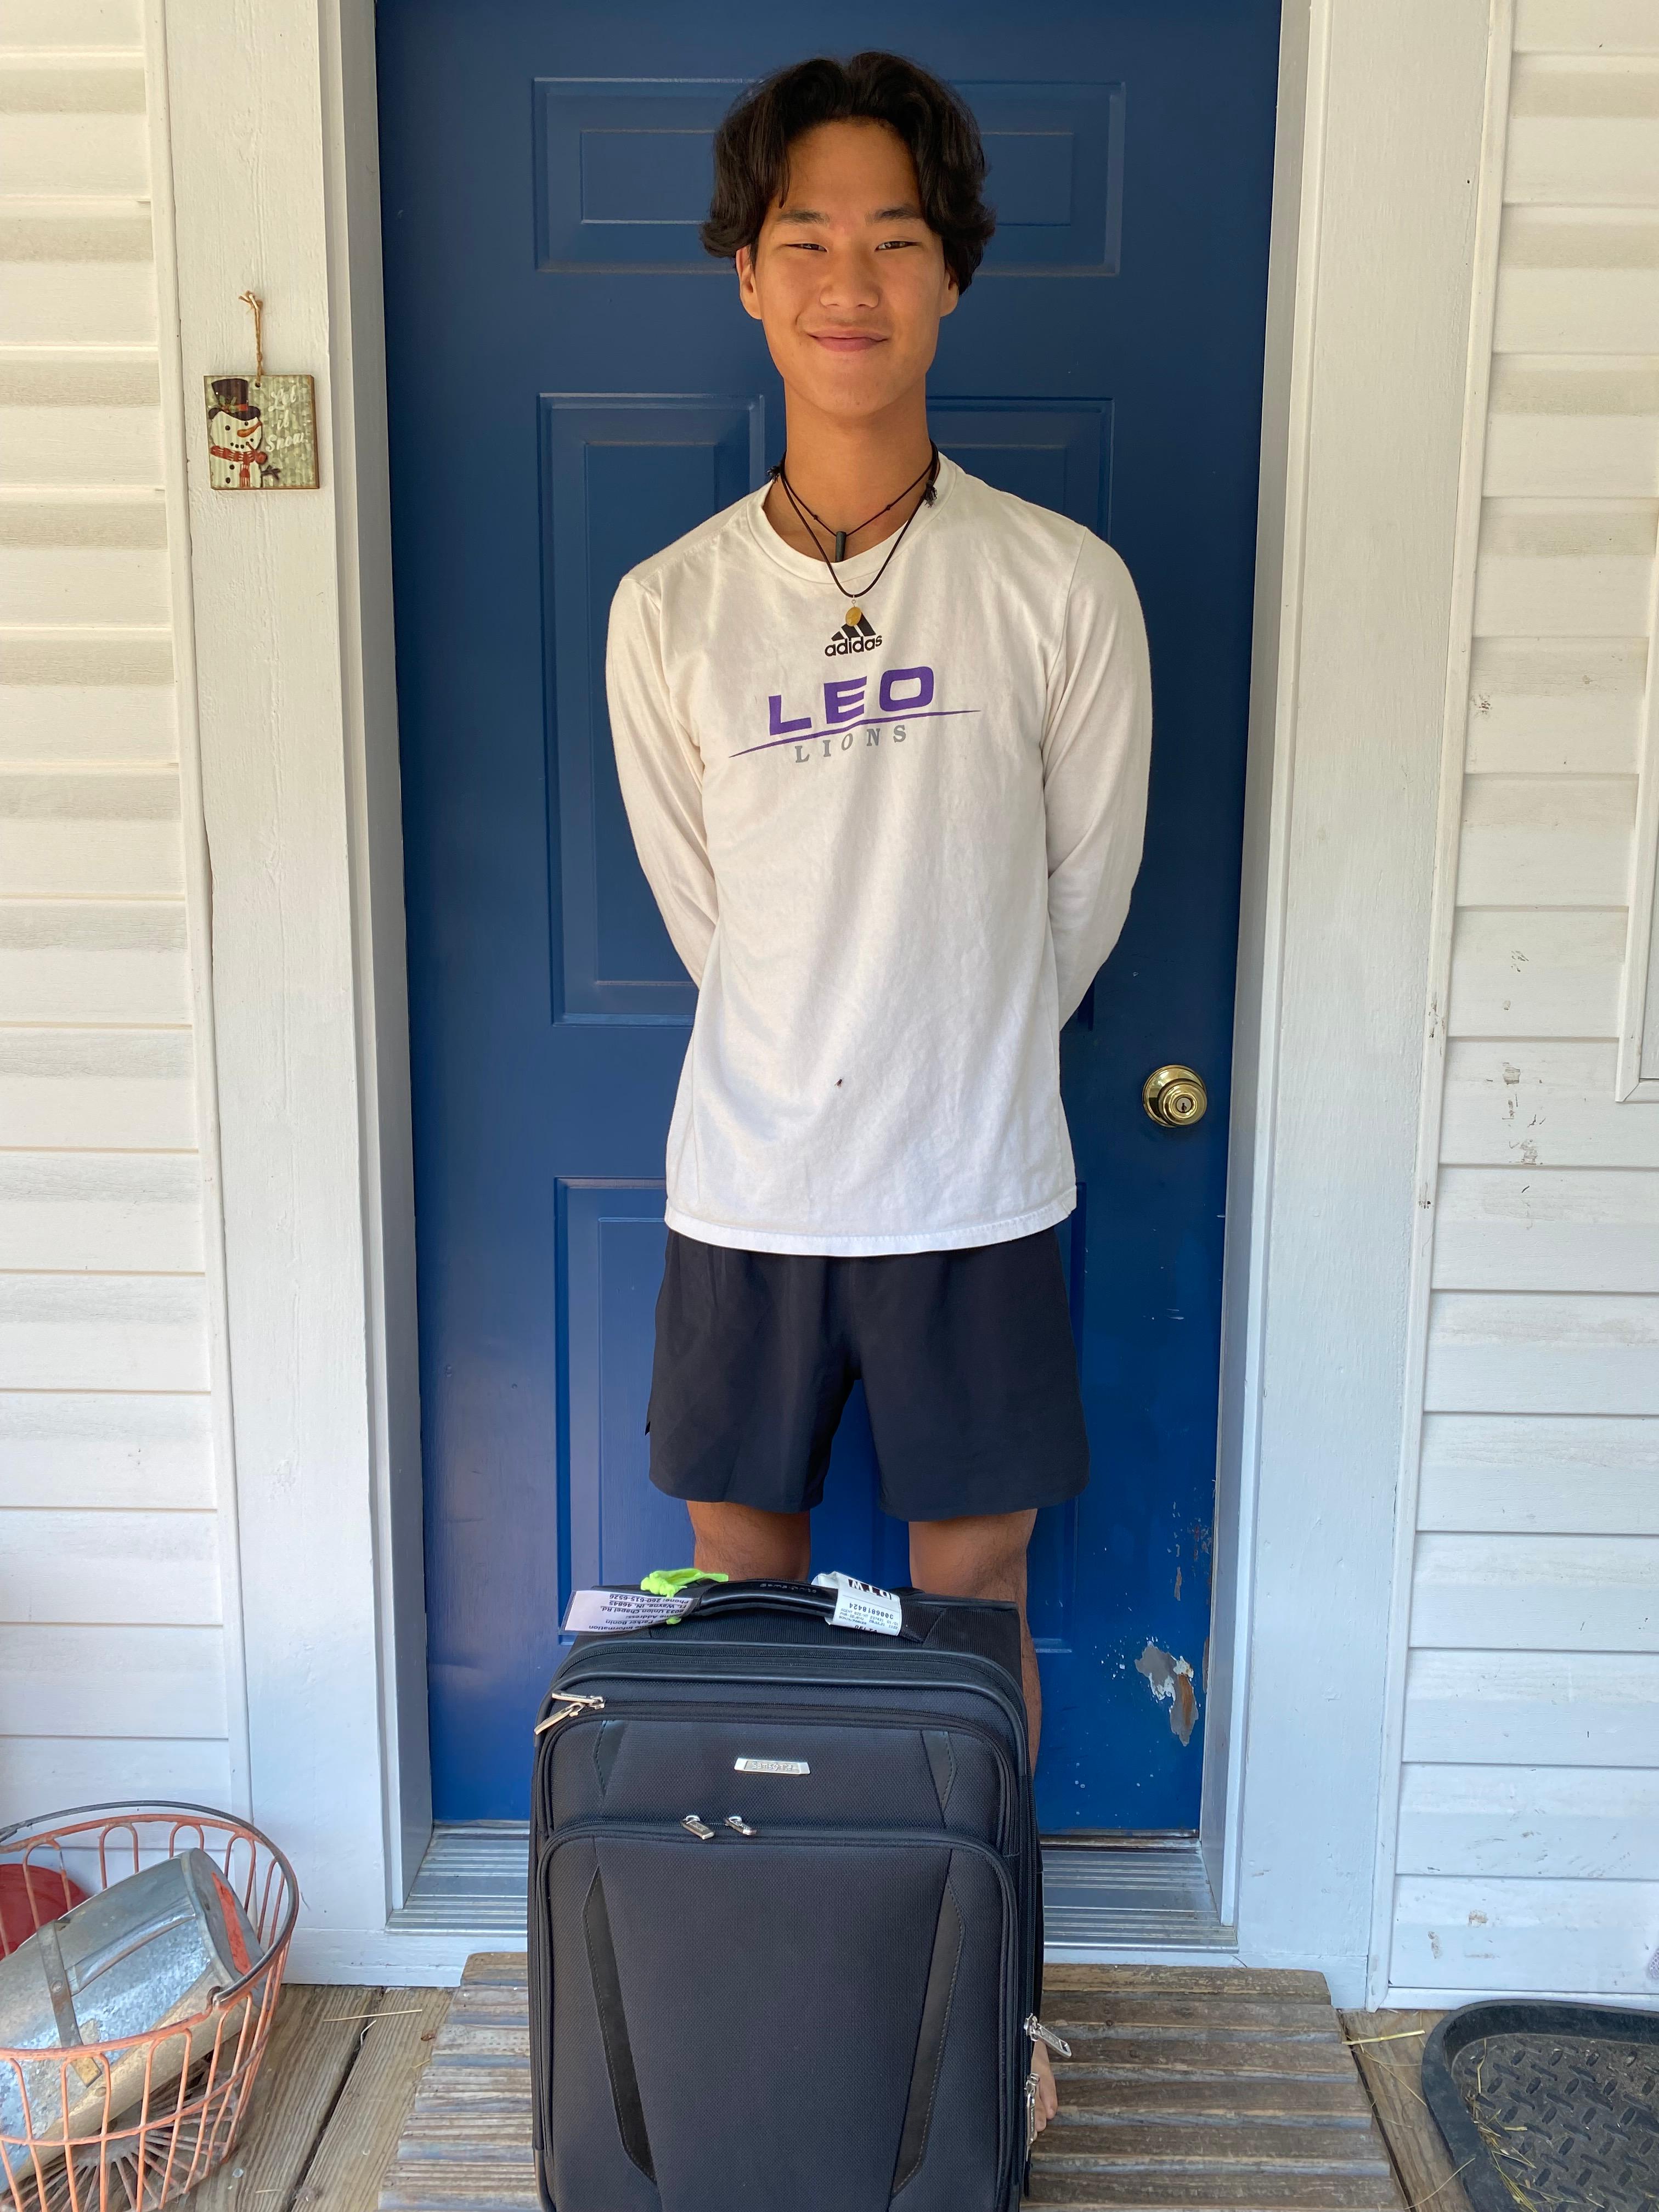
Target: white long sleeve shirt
column 892, row 858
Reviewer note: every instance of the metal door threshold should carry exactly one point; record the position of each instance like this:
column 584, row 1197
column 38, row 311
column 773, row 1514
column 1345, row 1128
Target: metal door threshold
column 1147, row 1899
column 472, row 1880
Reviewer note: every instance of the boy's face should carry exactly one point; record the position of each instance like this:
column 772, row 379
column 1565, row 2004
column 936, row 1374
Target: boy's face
column 847, row 280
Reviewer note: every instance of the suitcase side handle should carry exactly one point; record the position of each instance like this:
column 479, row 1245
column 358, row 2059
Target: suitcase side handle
column 798, row 1598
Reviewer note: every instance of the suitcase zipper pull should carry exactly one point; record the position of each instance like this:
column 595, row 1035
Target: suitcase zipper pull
column 742, row 1826
column 572, row 1705
column 1030, row 2112
column 1039, row 2033
column 699, row 1828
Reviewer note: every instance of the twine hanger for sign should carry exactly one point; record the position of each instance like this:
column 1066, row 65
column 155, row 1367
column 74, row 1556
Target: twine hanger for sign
column 258, row 307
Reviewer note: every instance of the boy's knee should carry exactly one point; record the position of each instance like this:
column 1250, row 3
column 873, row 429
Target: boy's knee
column 982, row 1557
column 749, row 1545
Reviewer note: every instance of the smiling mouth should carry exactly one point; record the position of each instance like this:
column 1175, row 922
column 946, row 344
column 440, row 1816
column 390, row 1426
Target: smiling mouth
column 846, row 341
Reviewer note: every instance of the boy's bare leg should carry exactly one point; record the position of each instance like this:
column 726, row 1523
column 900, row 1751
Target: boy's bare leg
column 751, row 1546
column 983, row 1555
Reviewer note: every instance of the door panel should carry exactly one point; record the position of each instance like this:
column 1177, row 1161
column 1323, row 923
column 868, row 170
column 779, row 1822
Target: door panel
column 609, row 465
column 573, row 385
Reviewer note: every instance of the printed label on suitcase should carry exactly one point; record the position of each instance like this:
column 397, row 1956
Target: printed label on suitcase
column 603, row 1612
column 861, row 1604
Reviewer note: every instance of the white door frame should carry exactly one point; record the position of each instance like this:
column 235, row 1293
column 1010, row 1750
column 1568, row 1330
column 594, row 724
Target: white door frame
column 265, row 120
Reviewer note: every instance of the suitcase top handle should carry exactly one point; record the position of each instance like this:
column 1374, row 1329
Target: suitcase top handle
column 800, row 1598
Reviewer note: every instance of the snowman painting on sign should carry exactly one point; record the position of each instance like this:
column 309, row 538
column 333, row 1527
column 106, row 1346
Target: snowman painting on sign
column 262, row 434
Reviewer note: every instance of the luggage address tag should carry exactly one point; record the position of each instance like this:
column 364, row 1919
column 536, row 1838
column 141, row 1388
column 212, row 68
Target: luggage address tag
column 608, row 1612
column 660, row 1596
column 861, row 1604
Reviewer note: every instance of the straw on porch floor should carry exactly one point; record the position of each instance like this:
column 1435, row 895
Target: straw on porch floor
column 1189, row 2088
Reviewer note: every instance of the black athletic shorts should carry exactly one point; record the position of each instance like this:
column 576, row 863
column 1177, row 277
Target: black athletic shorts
column 966, row 1358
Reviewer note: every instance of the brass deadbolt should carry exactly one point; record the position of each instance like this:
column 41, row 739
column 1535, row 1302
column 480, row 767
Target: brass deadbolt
column 1175, row 1097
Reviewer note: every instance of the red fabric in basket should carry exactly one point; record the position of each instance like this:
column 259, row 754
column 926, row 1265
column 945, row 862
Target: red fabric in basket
column 53, row 1894
column 231, row 1905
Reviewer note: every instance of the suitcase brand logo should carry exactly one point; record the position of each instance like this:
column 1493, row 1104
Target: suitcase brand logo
column 770, row 1766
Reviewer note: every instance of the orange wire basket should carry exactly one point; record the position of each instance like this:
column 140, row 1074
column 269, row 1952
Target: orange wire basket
column 142, row 2118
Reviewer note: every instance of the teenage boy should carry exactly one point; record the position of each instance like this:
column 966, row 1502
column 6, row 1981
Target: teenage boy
column 883, row 737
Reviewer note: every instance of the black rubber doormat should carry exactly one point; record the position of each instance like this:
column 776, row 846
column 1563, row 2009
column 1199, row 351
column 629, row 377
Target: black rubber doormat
column 1548, row 2107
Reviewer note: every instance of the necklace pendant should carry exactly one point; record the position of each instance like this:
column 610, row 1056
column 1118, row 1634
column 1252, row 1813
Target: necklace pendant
column 854, row 617
column 841, row 545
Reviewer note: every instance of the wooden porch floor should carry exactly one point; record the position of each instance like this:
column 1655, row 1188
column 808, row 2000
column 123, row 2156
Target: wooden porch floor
column 1190, row 2088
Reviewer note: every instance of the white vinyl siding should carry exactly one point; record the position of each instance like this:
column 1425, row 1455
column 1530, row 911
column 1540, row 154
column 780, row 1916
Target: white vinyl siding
column 1528, row 1844
column 113, row 1679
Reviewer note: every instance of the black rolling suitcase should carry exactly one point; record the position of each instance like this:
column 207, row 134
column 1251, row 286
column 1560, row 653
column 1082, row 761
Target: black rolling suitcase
column 784, row 1912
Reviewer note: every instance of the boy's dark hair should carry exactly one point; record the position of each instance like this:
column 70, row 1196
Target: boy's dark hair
column 752, row 148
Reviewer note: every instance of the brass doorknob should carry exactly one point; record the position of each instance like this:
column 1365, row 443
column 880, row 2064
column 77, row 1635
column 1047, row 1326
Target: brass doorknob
column 1175, row 1097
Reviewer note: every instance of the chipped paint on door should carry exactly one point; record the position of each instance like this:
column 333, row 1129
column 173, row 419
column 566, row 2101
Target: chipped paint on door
column 1171, row 1680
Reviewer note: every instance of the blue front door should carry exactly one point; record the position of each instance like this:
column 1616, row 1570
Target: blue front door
column 572, row 385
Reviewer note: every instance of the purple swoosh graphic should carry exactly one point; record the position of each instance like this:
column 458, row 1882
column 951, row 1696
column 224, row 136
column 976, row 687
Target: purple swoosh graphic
column 859, row 722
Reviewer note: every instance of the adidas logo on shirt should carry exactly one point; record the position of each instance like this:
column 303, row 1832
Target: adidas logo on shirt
column 855, row 635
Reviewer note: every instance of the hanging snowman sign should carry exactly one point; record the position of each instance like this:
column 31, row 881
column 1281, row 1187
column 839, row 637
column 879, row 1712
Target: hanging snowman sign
column 262, row 430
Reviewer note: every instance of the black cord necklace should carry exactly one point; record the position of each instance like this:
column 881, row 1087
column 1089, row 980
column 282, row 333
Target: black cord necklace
column 841, row 537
